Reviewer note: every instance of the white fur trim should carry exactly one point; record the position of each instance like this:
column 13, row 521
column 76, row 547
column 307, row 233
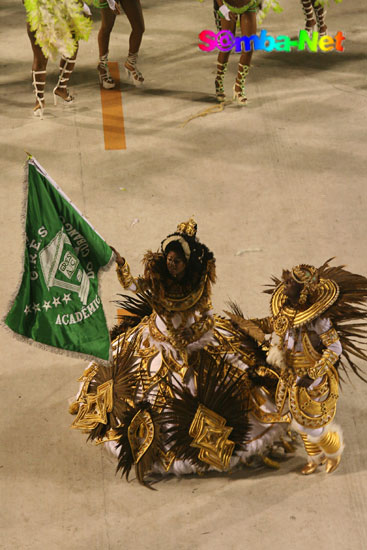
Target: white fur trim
column 275, row 357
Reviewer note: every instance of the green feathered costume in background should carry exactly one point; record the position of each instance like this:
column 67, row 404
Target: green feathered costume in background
column 58, row 25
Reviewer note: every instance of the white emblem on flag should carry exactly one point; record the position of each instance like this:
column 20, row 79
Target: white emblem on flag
column 69, row 266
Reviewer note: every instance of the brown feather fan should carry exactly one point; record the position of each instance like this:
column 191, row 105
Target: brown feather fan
column 252, row 337
column 124, row 385
column 219, row 389
column 348, row 314
column 272, row 286
column 136, row 308
column 246, row 326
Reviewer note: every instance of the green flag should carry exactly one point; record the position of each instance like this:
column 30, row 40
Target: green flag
column 58, row 303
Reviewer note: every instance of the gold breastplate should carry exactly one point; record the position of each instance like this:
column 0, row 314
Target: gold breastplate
column 300, row 361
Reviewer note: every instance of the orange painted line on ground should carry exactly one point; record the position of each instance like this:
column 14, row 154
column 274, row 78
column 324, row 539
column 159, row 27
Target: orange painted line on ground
column 112, row 113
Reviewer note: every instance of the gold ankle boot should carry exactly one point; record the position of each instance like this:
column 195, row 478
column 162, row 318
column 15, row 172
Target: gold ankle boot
column 315, row 456
column 332, row 445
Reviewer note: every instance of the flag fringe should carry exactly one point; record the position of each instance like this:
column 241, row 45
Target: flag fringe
column 58, row 351
column 23, row 218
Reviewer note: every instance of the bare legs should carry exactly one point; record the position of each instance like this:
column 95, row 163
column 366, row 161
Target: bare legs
column 107, row 22
column 39, row 66
column 248, row 28
column 66, row 68
column 108, row 19
column 134, row 13
column 38, row 74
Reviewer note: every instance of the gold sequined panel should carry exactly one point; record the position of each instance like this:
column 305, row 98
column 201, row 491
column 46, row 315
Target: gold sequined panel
column 327, row 294
column 271, row 418
column 141, row 434
column 229, row 343
column 94, row 410
column 166, row 458
column 146, row 352
column 110, row 435
column 311, row 413
column 329, row 337
column 175, row 366
column 164, row 392
column 210, row 435
column 258, row 399
column 86, row 378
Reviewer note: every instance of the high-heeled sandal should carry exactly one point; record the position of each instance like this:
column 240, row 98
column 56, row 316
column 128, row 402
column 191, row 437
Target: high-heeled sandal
column 105, row 79
column 40, row 94
column 63, row 80
column 219, row 82
column 132, row 70
column 239, row 96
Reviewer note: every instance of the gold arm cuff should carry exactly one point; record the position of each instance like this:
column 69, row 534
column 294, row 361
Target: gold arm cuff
column 124, row 275
column 329, row 337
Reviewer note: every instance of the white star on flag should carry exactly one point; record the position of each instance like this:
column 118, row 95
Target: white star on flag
column 56, row 302
column 27, row 310
column 46, row 305
column 66, row 298
column 36, row 307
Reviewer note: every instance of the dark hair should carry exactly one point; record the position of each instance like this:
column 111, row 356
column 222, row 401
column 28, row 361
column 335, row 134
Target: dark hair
column 199, row 256
column 175, row 246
